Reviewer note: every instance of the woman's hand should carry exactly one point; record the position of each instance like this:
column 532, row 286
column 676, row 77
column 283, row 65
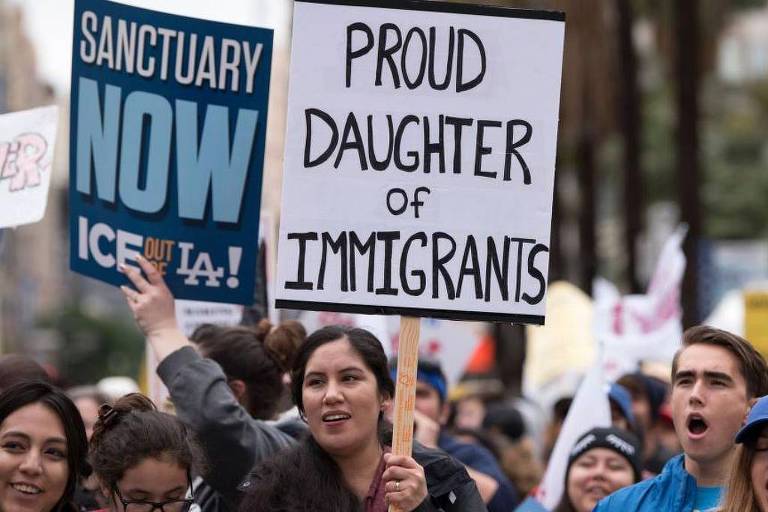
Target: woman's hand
column 404, row 482
column 153, row 308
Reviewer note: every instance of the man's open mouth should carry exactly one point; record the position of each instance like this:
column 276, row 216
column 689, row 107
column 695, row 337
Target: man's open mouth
column 697, row 425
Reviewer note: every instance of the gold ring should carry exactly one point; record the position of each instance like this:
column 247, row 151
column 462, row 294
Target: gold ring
column 397, row 485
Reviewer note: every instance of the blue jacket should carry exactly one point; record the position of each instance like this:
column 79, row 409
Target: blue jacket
column 674, row 490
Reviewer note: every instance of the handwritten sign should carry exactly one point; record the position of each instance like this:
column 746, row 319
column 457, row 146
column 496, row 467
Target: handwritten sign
column 167, row 145
column 419, row 161
column 27, row 141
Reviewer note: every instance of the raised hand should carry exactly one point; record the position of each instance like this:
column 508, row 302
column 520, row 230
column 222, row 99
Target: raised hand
column 153, row 308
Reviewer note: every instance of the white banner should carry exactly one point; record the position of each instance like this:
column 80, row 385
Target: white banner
column 27, row 141
column 636, row 328
column 419, row 160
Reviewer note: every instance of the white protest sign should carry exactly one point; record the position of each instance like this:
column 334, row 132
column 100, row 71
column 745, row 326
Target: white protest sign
column 419, row 160
column 27, row 141
column 636, row 328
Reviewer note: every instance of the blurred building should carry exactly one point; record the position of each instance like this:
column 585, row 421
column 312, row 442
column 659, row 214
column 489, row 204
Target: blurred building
column 32, row 258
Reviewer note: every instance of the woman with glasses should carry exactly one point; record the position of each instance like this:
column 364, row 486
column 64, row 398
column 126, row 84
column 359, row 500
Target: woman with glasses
column 143, row 458
column 42, row 449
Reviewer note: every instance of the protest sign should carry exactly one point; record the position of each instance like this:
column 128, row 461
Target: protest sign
column 636, row 328
column 27, row 141
column 167, row 142
column 756, row 319
column 564, row 346
column 419, row 160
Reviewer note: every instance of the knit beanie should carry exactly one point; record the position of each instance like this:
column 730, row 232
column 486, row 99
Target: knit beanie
column 620, row 441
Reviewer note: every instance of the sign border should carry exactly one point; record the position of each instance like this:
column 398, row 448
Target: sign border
column 445, row 314
column 437, row 6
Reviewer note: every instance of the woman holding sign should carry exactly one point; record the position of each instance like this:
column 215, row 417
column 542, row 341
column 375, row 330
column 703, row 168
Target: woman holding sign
column 341, row 385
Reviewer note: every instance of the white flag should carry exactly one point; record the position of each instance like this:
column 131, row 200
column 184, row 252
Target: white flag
column 636, row 328
column 589, row 409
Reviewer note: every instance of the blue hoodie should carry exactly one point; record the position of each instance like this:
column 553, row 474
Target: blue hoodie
column 674, row 490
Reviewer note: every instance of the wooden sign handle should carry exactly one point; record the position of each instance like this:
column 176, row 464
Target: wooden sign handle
column 405, row 388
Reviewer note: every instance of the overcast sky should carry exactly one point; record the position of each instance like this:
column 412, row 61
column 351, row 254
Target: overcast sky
column 49, row 25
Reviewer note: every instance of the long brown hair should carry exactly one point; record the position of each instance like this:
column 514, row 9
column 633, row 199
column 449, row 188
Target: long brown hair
column 740, row 495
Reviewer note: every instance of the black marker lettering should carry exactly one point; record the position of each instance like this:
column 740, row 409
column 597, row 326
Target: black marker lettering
column 300, row 283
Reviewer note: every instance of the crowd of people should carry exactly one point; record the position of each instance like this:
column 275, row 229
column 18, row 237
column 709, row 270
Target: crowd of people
column 271, row 419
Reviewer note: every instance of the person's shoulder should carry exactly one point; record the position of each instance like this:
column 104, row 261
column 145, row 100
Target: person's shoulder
column 649, row 495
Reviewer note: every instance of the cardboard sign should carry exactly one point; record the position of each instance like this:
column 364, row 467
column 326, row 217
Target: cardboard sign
column 27, row 141
column 419, row 160
column 168, row 127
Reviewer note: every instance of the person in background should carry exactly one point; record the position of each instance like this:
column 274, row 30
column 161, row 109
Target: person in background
column 715, row 377
column 469, row 412
column 747, row 490
column 42, row 449
column 648, row 395
column 15, row 368
column 254, row 373
column 341, row 386
column 88, row 399
column 144, row 459
column 602, row 461
column 666, row 431
column 430, row 415
column 518, row 458
column 620, row 402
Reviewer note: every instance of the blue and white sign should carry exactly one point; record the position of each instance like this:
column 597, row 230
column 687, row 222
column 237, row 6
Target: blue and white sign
column 168, row 126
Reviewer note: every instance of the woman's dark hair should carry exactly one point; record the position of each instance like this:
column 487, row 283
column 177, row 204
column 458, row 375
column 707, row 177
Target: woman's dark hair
column 363, row 342
column 285, row 340
column 22, row 394
column 15, row 368
column 242, row 354
column 320, row 487
column 133, row 430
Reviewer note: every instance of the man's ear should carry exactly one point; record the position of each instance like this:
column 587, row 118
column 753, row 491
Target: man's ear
column 238, row 389
column 752, row 402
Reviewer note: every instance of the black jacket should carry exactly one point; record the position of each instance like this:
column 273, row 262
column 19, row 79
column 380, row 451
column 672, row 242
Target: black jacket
column 449, row 486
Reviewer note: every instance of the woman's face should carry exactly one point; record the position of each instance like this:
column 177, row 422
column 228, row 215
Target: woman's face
column 33, row 460
column 152, row 481
column 341, row 399
column 759, row 472
column 596, row 474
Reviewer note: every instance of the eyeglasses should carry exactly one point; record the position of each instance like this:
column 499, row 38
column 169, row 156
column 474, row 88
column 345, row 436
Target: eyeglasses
column 176, row 505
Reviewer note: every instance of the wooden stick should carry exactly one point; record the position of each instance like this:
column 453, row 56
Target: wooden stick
column 405, row 388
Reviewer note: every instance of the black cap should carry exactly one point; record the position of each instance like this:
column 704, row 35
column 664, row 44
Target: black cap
column 620, row 441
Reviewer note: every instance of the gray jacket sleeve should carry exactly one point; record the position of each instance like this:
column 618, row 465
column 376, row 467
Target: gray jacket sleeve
column 233, row 441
